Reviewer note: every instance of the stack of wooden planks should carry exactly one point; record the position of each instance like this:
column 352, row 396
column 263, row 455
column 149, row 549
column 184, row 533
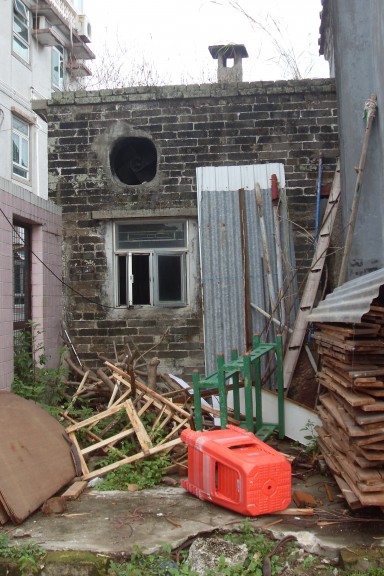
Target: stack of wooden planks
column 352, row 409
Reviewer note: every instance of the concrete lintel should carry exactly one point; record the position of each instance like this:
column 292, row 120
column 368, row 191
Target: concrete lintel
column 159, row 213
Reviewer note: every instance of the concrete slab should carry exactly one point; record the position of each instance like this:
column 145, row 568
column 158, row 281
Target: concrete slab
column 112, row 523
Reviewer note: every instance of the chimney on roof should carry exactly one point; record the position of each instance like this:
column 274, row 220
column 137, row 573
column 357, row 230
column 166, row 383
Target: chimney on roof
column 233, row 52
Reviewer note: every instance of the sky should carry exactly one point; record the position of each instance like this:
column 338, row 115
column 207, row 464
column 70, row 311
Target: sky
column 172, row 36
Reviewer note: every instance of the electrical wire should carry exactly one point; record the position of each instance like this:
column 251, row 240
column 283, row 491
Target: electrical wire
column 62, row 282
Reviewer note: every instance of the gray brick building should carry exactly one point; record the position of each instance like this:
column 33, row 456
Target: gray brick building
column 122, row 165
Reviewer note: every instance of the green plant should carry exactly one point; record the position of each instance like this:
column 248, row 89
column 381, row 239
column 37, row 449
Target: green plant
column 145, row 473
column 28, row 556
column 312, row 447
column 139, row 564
column 32, row 379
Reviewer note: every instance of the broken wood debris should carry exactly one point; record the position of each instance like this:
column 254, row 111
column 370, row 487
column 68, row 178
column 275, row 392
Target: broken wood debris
column 351, row 437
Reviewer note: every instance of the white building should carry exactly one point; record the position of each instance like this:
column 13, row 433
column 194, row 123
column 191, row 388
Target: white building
column 44, row 47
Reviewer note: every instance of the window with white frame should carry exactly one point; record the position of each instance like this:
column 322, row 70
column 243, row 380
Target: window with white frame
column 151, row 263
column 20, row 44
column 58, row 67
column 20, row 147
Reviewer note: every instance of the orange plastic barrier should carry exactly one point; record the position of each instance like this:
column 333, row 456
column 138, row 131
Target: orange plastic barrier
column 236, row 470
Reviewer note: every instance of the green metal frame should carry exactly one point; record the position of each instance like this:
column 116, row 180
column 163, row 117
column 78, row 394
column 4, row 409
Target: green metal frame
column 249, row 367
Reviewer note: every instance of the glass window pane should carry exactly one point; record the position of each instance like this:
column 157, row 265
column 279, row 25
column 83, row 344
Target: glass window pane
column 169, row 278
column 20, row 125
column 21, row 28
column 20, row 171
column 57, row 66
column 16, row 148
column 141, row 279
column 122, row 279
column 151, row 235
column 21, row 276
column 20, row 9
column 24, row 153
column 20, row 49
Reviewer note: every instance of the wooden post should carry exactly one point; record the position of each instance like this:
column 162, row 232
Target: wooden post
column 245, row 270
column 271, row 288
column 370, row 108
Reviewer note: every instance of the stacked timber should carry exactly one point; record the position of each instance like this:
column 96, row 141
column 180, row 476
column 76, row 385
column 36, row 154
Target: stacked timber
column 352, row 408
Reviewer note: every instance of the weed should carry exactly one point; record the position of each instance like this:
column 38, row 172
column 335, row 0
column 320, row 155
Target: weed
column 139, row 564
column 32, row 379
column 145, row 473
column 27, row 556
column 312, row 448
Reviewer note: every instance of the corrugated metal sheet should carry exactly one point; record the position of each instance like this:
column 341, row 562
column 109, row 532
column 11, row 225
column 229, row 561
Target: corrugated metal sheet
column 221, row 253
column 351, row 301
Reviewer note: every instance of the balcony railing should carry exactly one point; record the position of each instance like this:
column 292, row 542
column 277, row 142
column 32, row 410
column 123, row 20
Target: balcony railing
column 66, row 11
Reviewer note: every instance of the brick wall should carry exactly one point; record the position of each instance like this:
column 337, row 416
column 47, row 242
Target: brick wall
column 191, row 126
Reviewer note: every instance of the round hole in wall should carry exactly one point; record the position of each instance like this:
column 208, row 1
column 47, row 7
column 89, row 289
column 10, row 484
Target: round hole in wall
column 133, row 160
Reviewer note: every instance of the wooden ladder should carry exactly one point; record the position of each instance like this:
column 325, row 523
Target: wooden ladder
column 299, row 330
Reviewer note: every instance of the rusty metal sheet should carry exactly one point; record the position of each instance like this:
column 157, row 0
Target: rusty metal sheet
column 349, row 302
column 221, row 253
column 35, row 457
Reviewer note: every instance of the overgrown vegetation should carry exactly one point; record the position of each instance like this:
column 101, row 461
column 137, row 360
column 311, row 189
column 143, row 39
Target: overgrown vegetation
column 145, row 473
column 28, row 556
column 32, row 379
column 264, row 558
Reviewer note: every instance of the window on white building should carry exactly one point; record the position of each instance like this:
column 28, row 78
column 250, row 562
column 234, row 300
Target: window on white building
column 151, row 263
column 21, row 30
column 58, row 67
column 20, row 147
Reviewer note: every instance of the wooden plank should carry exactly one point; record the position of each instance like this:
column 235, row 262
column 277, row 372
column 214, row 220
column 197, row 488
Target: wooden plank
column 366, row 346
column 371, row 455
column 353, row 398
column 74, row 491
column 351, row 498
column 374, row 446
column 141, row 433
column 96, row 418
column 313, row 280
column 367, row 499
column 375, row 392
column 376, row 407
column 108, row 441
column 150, row 392
column 76, row 394
column 362, row 418
column 370, row 439
column 156, row 403
column 335, row 376
column 130, row 459
column 349, row 329
column 341, row 416
column 374, row 385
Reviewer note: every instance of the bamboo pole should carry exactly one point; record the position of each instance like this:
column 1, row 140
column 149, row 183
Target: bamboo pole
column 245, row 271
column 271, row 288
column 279, row 261
column 370, row 109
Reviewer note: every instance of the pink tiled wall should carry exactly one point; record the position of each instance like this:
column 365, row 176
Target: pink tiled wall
column 45, row 220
